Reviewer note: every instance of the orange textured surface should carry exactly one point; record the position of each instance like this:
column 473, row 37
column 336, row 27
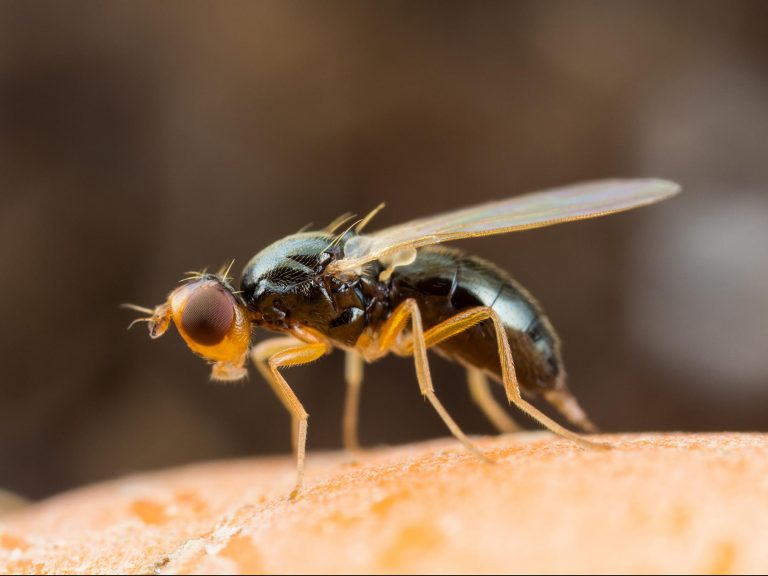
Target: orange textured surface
column 657, row 503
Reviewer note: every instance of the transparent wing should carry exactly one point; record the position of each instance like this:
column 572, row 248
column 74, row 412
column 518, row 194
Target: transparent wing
column 534, row 210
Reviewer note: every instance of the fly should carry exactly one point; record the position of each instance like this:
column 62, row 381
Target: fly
column 398, row 291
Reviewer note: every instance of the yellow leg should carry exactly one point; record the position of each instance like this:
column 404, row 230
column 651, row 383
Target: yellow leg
column 284, row 356
column 260, row 354
column 353, row 373
column 394, row 327
column 481, row 393
column 473, row 316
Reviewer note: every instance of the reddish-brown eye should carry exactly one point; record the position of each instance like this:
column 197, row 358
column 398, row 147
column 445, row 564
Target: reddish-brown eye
column 208, row 315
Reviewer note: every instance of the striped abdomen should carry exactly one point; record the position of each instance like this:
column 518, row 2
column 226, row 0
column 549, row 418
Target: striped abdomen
column 446, row 281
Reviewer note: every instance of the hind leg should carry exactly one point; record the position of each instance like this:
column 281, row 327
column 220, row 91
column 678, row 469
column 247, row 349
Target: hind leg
column 512, row 389
column 473, row 316
column 481, row 393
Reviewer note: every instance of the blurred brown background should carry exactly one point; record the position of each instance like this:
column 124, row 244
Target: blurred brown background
column 141, row 140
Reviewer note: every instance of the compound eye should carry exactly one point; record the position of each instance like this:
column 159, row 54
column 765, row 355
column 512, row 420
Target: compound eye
column 208, row 315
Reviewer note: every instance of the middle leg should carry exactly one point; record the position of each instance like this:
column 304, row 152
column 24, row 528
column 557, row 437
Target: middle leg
column 353, row 373
column 393, row 329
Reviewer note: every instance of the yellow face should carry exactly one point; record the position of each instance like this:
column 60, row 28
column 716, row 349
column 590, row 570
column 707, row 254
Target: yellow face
column 212, row 322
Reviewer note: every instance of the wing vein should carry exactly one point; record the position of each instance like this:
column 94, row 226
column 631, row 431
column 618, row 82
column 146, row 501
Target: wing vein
column 535, row 210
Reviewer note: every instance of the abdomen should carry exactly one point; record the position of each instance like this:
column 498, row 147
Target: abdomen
column 446, row 281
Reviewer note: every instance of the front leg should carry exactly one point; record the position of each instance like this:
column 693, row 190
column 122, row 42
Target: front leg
column 260, row 355
column 353, row 372
column 301, row 353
